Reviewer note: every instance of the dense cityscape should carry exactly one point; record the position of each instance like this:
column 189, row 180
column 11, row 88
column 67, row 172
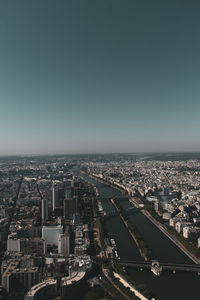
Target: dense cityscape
column 99, row 154
column 56, row 242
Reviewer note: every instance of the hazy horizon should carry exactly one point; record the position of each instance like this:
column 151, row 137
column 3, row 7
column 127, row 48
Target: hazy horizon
column 86, row 77
column 103, row 153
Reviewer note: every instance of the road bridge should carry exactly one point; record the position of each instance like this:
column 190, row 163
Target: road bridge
column 129, row 211
column 147, row 264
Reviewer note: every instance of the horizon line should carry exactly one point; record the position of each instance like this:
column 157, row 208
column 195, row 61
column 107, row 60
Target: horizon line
column 97, row 153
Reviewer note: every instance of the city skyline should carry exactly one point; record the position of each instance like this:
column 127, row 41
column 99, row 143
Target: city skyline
column 99, row 77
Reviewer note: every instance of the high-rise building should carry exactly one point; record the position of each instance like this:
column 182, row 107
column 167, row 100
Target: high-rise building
column 68, row 208
column 51, row 234
column 44, row 209
column 76, row 204
column 64, row 244
column 13, row 274
column 71, row 207
column 68, row 193
column 67, row 183
column 76, row 218
column 54, row 196
column 47, row 193
column 13, row 244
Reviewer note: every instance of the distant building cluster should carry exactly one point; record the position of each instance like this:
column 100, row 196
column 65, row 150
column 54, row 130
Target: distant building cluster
column 44, row 239
column 173, row 187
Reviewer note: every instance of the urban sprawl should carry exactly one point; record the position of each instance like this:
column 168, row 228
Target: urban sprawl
column 49, row 217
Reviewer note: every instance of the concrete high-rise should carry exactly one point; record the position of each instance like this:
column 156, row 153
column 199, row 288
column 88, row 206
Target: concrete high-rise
column 54, row 196
column 44, row 209
column 51, row 234
column 64, row 244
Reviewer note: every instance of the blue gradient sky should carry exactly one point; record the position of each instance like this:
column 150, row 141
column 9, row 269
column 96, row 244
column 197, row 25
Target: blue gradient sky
column 80, row 76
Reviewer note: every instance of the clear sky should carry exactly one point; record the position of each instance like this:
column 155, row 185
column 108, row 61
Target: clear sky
column 86, row 76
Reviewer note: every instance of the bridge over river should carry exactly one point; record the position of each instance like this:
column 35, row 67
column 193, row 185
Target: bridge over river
column 129, row 211
column 148, row 264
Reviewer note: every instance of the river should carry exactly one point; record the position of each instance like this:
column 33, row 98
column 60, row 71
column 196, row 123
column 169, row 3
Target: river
column 169, row 286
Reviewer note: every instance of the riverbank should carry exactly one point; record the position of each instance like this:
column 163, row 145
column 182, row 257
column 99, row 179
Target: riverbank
column 101, row 180
column 155, row 222
column 141, row 250
column 127, row 285
column 106, row 274
column 172, row 238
